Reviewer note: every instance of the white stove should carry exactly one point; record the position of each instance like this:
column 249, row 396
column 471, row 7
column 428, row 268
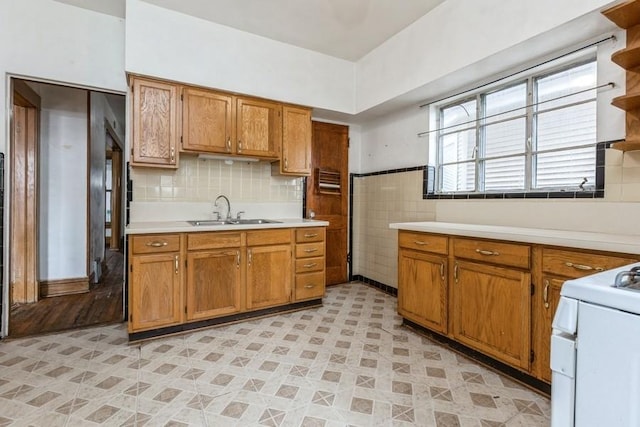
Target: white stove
column 595, row 351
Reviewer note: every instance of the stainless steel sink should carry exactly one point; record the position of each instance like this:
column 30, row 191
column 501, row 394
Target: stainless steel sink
column 254, row 221
column 210, row 222
column 207, row 222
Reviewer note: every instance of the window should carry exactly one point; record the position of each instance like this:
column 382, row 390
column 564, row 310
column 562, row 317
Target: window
column 537, row 134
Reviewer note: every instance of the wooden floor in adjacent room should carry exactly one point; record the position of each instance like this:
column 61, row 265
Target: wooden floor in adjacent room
column 101, row 305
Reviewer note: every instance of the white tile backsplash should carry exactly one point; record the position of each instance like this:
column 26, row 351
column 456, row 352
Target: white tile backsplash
column 200, row 180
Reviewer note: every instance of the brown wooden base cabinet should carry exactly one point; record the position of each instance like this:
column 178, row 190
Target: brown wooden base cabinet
column 192, row 277
column 155, row 267
column 269, row 270
column 310, row 266
column 498, row 297
column 214, row 275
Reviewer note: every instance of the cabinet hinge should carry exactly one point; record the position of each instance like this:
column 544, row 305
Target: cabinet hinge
column 532, row 356
column 131, row 268
column 533, row 289
column 131, row 317
column 181, row 97
column 348, row 142
column 185, row 309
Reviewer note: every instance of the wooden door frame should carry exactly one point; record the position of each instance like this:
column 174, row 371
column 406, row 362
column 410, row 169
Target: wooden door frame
column 23, row 183
column 116, row 186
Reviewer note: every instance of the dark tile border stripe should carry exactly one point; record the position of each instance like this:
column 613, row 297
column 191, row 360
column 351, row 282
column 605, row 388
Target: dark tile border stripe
column 378, row 285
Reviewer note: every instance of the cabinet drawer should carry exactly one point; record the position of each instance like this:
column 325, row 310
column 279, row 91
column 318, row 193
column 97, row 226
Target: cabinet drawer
column 578, row 264
column 307, row 250
column 309, row 285
column 304, row 235
column 156, row 243
column 196, row 241
column 269, row 237
column 493, row 252
column 423, row 242
column 305, row 265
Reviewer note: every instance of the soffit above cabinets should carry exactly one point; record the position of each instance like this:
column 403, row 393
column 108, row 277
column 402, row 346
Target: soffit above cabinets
column 347, row 29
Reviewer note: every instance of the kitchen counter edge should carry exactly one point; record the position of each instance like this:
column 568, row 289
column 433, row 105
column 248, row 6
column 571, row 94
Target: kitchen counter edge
column 628, row 244
column 185, row 227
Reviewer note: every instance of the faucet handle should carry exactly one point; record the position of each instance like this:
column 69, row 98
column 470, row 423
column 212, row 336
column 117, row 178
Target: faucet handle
column 238, row 214
column 217, row 213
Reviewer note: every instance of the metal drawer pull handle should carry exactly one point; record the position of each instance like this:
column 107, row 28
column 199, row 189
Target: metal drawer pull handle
column 313, row 264
column 419, row 242
column 583, row 267
column 156, row 244
column 442, row 270
column 237, row 258
column 310, row 286
column 228, row 143
column 483, row 252
column 455, row 272
column 545, row 294
column 239, row 145
column 311, row 250
column 308, row 236
column 176, row 260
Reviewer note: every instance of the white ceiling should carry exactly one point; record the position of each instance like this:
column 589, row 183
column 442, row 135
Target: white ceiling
column 347, row 29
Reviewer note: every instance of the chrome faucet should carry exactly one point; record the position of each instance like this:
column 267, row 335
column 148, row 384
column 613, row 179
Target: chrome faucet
column 222, row 196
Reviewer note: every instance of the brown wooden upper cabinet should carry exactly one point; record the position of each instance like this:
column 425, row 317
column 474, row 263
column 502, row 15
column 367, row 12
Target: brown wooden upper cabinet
column 216, row 122
column 296, row 141
column 209, row 121
column 155, row 123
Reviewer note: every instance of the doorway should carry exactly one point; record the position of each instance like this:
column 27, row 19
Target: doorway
column 75, row 280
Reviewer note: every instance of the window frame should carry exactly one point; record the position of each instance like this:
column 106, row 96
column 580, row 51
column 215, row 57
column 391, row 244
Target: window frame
column 530, row 143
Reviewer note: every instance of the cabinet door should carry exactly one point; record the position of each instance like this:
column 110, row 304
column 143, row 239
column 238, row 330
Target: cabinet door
column 258, row 127
column 550, row 296
column 155, row 120
column 422, row 289
column 269, row 274
column 296, row 141
column 213, row 283
column 207, row 121
column 492, row 311
column 154, row 291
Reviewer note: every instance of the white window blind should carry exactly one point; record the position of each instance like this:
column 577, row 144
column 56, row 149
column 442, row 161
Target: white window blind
column 532, row 135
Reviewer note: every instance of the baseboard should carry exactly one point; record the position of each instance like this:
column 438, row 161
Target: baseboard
column 55, row 288
column 390, row 290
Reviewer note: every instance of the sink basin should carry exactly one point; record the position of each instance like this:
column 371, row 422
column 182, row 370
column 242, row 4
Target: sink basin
column 209, row 222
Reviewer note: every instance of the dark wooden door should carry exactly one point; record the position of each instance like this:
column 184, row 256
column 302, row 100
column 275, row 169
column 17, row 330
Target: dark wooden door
column 327, row 193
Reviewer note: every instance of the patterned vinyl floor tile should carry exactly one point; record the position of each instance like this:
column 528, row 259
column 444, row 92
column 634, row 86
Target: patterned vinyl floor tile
column 348, row 363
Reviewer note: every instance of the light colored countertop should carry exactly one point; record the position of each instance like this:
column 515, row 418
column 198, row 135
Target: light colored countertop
column 628, row 244
column 185, row 227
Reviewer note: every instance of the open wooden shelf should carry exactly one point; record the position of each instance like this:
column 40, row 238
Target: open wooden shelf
column 625, row 15
column 628, row 58
column 628, row 102
column 630, row 145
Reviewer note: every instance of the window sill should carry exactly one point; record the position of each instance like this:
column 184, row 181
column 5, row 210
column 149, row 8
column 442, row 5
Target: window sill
column 597, row 194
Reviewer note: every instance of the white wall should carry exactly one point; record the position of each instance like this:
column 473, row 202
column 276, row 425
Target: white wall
column 62, row 183
column 179, row 47
column 457, row 34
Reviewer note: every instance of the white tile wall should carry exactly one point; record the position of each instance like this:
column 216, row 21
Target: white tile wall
column 379, row 200
column 199, row 180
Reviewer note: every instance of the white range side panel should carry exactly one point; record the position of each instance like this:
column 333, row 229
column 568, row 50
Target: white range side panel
column 170, row 45
column 62, row 218
column 608, row 367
